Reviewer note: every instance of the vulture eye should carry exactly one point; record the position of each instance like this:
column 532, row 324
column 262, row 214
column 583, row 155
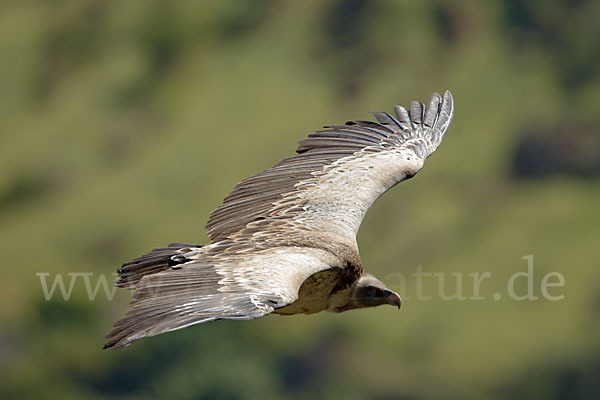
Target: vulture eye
column 372, row 291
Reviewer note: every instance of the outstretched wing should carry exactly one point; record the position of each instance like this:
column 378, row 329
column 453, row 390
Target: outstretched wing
column 192, row 288
column 325, row 190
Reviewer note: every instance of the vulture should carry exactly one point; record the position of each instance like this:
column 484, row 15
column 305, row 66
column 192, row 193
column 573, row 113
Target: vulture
column 284, row 240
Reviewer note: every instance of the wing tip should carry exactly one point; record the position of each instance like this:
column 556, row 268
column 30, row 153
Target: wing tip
column 448, row 95
column 438, row 117
column 429, row 122
column 116, row 342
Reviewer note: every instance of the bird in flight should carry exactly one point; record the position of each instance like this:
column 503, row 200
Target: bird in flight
column 284, row 240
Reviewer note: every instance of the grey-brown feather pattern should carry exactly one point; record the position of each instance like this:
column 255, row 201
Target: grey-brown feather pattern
column 413, row 133
column 217, row 284
column 171, row 300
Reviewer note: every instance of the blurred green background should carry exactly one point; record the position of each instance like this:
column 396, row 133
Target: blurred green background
column 124, row 123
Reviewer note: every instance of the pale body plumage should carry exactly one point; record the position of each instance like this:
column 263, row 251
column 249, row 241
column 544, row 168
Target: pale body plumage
column 284, row 240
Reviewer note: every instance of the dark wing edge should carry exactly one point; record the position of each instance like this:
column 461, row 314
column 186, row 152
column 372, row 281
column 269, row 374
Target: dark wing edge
column 419, row 128
column 157, row 260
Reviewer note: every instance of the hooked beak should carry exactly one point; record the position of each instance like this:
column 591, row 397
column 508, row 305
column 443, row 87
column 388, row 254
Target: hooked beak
column 393, row 298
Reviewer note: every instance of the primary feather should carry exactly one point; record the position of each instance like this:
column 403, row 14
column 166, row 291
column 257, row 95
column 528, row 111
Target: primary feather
column 284, row 240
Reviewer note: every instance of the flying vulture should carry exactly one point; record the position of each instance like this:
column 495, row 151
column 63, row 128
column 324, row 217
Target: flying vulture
column 284, row 240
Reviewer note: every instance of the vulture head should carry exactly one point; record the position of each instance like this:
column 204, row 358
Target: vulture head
column 370, row 292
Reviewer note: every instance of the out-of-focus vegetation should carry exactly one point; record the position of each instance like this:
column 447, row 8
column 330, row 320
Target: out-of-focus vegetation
column 124, row 123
